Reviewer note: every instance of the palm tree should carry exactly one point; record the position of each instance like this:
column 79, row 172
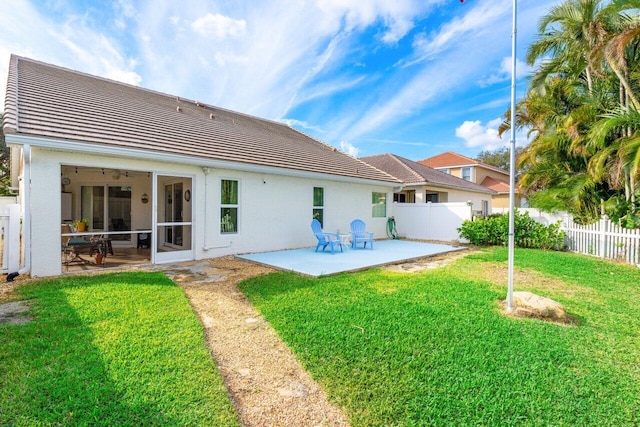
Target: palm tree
column 573, row 34
column 581, row 108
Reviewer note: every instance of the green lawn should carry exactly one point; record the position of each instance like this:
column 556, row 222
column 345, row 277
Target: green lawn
column 111, row 350
column 432, row 348
column 392, row 349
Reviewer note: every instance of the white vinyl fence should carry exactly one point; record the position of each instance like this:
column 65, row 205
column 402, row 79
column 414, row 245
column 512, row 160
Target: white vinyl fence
column 545, row 218
column 10, row 238
column 603, row 239
column 430, row 221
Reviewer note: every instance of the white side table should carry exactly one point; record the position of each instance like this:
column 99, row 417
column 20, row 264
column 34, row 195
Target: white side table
column 345, row 240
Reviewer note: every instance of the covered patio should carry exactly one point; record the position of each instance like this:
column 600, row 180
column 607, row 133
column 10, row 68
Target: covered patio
column 308, row 262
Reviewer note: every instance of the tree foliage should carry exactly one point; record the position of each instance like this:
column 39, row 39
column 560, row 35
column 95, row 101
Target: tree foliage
column 5, row 176
column 582, row 111
column 500, row 157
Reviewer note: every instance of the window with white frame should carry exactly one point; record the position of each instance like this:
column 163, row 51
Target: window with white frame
column 485, row 208
column 466, row 174
column 318, row 204
column 228, row 206
column 379, row 205
column 431, row 197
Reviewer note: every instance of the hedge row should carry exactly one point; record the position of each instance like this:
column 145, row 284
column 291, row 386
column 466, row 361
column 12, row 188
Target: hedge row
column 528, row 233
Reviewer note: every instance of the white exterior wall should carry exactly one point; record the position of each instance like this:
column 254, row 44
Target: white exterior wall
column 454, row 196
column 275, row 211
column 460, row 196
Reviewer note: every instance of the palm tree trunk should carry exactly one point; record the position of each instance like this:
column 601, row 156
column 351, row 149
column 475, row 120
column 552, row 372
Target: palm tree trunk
column 623, row 81
column 627, row 192
column 627, row 88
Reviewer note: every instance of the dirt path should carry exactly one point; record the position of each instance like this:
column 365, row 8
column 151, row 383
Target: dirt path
column 267, row 384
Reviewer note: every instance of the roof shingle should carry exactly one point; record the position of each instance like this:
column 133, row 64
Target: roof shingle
column 450, row 159
column 49, row 101
column 410, row 172
column 495, row 184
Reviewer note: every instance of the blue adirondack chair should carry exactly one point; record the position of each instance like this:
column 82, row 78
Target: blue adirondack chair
column 359, row 235
column 325, row 239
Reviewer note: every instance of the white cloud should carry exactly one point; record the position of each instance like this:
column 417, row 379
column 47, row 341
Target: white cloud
column 504, row 72
column 349, row 148
column 302, row 124
column 502, row 102
column 74, row 43
column 473, row 24
column 219, row 26
column 225, row 58
column 483, row 137
column 396, row 16
column 271, row 58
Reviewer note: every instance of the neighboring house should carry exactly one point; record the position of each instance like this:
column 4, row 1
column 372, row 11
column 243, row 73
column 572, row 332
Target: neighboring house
column 480, row 173
column 421, row 184
column 202, row 181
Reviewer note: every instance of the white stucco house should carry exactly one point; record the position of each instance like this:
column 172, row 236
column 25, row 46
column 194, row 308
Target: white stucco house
column 430, row 204
column 488, row 176
column 422, row 184
column 200, row 181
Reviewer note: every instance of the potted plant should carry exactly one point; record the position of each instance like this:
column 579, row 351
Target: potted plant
column 80, row 224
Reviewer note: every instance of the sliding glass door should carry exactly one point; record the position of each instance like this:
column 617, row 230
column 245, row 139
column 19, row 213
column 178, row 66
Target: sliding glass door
column 173, row 210
column 107, row 208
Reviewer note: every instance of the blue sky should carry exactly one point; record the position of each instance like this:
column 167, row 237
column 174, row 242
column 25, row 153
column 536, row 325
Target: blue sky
column 413, row 78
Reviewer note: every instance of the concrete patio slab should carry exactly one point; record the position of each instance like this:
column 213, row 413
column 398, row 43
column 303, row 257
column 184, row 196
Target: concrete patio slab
column 307, row 261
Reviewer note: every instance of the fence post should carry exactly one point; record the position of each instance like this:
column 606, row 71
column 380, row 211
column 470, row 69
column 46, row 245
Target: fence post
column 12, row 239
column 428, row 231
column 602, row 243
column 568, row 238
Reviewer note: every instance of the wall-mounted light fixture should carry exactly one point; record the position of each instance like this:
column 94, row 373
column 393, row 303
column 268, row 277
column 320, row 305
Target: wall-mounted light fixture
column 145, row 198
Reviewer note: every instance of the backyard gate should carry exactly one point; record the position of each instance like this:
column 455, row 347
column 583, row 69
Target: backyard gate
column 10, row 238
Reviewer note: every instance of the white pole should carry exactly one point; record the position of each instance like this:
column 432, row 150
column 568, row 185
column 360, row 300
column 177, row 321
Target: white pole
column 512, row 161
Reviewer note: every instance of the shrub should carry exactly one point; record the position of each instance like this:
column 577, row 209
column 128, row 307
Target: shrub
column 528, row 233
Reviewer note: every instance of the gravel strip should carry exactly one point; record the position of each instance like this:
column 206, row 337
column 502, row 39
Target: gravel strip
column 267, row 384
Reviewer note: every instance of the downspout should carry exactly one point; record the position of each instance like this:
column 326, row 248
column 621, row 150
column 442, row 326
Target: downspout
column 26, row 218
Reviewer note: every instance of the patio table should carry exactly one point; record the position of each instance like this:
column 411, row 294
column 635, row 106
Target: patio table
column 78, row 245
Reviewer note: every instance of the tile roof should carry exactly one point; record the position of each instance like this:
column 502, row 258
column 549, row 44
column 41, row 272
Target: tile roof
column 413, row 173
column 450, row 159
column 49, row 101
column 495, row 184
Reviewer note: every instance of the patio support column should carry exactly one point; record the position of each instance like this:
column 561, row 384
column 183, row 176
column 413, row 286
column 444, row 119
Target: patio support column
column 26, row 208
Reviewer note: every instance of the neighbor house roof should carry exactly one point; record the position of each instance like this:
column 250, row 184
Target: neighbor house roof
column 495, row 184
column 58, row 106
column 450, row 159
column 413, row 173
